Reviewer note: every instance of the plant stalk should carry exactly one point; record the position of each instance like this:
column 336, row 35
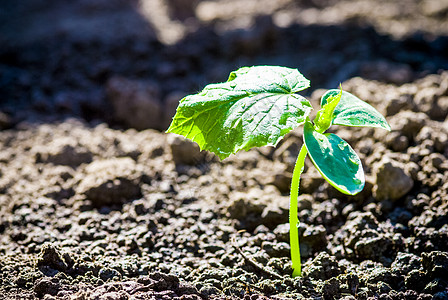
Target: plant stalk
column 293, row 210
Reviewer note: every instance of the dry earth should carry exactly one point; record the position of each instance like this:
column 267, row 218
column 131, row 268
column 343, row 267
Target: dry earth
column 96, row 203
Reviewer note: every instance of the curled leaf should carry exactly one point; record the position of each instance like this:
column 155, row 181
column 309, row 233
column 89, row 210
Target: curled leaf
column 352, row 111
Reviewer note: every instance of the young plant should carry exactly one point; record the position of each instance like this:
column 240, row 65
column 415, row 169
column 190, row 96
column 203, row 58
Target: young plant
column 257, row 106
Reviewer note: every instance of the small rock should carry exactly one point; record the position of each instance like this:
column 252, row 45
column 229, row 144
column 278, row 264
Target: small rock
column 184, row 151
column 258, row 207
column 276, row 211
column 392, row 181
column 136, row 103
column 243, row 204
column 50, row 257
column 322, row 267
column 111, row 182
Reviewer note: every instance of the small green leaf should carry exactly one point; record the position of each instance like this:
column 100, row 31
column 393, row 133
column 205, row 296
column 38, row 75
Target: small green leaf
column 256, row 107
column 352, row 111
column 324, row 116
column 335, row 160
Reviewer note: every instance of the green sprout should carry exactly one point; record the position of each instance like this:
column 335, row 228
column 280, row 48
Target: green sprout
column 257, row 106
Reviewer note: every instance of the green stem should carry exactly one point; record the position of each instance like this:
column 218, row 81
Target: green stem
column 293, row 210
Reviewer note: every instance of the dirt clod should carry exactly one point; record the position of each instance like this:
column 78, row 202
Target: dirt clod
column 392, row 180
column 111, row 182
column 323, row 266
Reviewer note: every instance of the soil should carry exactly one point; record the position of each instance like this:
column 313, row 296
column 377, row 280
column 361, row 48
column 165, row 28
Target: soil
column 96, row 202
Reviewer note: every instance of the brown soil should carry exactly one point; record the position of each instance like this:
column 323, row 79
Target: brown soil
column 97, row 203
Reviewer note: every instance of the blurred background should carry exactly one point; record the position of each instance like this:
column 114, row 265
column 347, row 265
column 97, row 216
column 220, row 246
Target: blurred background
column 129, row 62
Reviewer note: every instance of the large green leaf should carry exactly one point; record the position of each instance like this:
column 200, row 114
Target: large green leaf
column 335, row 160
column 352, row 111
column 255, row 107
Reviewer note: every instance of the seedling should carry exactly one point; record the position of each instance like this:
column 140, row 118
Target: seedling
column 257, row 106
